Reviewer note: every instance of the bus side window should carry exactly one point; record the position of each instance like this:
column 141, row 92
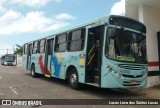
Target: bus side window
column 35, row 47
column 61, row 43
column 76, row 40
column 42, row 46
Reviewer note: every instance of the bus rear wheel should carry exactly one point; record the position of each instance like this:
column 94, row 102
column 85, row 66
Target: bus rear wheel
column 73, row 79
column 34, row 75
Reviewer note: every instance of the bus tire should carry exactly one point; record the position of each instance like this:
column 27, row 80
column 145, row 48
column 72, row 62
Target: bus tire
column 34, row 75
column 73, row 79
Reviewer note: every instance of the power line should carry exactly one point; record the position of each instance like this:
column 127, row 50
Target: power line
column 6, row 50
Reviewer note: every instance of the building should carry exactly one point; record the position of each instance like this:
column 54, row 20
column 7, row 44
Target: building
column 148, row 12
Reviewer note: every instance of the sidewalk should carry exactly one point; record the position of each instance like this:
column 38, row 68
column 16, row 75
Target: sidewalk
column 153, row 92
column 146, row 93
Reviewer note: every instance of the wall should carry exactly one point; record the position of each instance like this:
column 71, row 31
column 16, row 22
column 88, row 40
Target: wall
column 131, row 11
column 19, row 60
column 151, row 18
column 152, row 21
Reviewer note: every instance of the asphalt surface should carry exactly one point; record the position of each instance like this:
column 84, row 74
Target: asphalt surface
column 17, row 83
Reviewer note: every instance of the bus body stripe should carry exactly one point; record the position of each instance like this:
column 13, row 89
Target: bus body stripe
column 56, row 65
column 42, row 65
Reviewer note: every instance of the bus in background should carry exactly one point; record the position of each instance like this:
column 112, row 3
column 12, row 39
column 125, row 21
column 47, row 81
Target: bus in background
column 109, row 52
column 2, row 60
column 9, row 59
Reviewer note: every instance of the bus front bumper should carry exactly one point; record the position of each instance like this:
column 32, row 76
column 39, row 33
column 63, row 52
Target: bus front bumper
column 110, row 81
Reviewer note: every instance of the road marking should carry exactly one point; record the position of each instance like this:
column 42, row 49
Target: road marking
column 13, row 90
column 0, row 77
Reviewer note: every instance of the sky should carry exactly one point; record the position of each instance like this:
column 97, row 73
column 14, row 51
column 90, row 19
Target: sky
column 22, row 21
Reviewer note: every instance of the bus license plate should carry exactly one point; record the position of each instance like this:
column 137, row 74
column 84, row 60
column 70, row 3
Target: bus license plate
column 133, row 82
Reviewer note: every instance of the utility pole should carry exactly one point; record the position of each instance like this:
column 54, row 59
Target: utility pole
column 13, row 48
column 6, row 50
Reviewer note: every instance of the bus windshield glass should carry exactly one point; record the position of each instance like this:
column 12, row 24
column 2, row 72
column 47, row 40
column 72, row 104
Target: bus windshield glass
column 124, row 45
column 10, row 58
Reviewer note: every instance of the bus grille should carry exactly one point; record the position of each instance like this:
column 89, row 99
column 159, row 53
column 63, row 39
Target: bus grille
column 132, row 76
column 131, row 67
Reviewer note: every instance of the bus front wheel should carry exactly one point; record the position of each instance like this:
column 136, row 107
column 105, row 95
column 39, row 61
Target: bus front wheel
column 33, row 71
column 73, row 79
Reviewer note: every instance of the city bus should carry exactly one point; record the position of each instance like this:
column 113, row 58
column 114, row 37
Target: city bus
column 108, row 52
column 8, row 60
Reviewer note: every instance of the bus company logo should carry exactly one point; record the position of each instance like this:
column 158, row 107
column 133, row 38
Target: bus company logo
column 6, row 102
column 135, row 75
column 125, row 71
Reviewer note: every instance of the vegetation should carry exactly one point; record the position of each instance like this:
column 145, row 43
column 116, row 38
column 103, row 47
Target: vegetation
column 19, row 49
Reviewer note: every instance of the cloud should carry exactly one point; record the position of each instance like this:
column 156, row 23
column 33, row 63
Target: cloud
column 33, row 3
column 64, row 16
column 56, row 25
column 13, row 22
column 118, row 8
column 2, row 9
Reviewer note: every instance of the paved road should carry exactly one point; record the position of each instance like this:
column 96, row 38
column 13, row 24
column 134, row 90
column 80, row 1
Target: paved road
column 16, row 83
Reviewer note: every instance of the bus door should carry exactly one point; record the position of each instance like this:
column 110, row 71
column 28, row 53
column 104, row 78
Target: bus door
column 48, row 61
column 94, row 54
column 29, row 56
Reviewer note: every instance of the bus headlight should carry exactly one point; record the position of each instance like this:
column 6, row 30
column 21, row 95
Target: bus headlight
column 145, row 75
column 121, row 71
column 114, row 73
column 5, row 63
column 119, row 76
column 109, row 68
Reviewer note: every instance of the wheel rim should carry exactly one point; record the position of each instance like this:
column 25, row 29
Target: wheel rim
column 73, row 78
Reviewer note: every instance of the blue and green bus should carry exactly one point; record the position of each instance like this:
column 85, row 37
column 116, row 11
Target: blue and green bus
column 108, row 52
column 9, row 60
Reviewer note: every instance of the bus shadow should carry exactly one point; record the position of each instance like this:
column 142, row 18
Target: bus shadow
column 115, row 93
column 104, row 93
column 51, row 80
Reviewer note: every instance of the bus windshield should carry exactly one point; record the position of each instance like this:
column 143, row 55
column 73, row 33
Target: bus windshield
column 124, row 45
column 10, row 58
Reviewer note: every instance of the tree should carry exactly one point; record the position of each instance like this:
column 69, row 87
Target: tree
column 19, row 49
